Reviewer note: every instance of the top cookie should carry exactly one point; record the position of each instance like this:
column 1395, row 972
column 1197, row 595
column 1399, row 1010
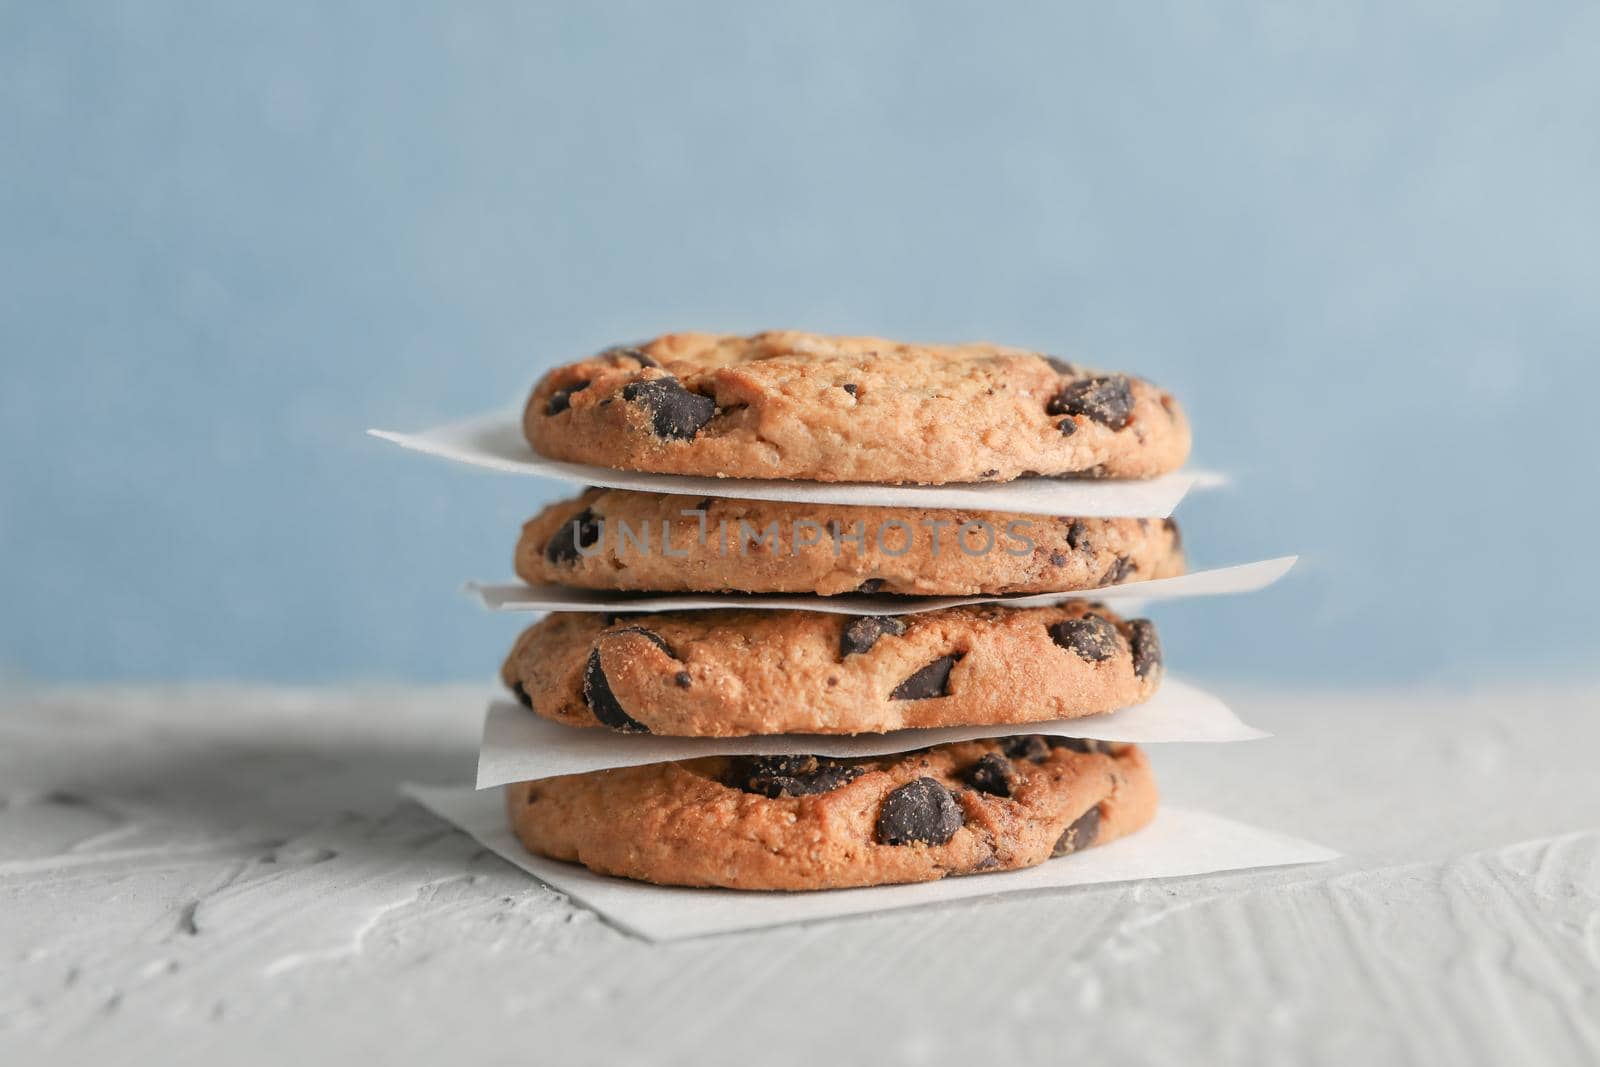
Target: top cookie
column 851, row 409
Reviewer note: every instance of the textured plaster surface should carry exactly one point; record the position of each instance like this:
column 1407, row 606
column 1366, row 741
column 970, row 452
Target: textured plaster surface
column 220, row 875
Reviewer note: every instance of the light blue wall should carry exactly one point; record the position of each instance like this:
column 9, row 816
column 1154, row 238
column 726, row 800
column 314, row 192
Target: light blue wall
column 1362, row 242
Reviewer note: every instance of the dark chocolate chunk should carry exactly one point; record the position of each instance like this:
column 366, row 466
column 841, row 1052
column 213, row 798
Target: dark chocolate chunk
column 931, row 681
column 1090, row 637
column 1067, row 427
column 849, row 387
column 1080, row 835
column 1077, row 536
column 520, row 691
column 1061, row 366
column 1108, row 401
column 1031, row 747
column 1076, row 744
column 919, row 812
column 1036, row 747
column 1146, row 647
column 872, row 585
column 603, row 702
column 561, row 399
column 992, row 774
column 682, row 679
column 789, row 776
column 1058, row 559
column 862, row 632
column 580, row 531
column 1119, row 570
column 633, row 352
column 675, row 413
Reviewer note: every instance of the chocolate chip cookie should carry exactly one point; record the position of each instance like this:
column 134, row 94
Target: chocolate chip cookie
column 811, row 822
column 851, row 409
column 733, row 673
column 618, row 539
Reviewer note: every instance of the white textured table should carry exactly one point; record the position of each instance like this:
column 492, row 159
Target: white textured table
column 227, row 876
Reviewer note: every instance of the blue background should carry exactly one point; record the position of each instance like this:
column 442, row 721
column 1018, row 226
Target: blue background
column 1362, row 243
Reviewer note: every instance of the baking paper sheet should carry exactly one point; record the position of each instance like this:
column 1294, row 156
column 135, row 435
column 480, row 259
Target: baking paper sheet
column 495, row 441
column 1243, row 578
column 519, row 746
column 1179, row 842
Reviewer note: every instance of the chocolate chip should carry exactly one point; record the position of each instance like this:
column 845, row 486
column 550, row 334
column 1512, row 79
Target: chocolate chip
column 849, row 387
column 1067, row 427
column 561, row 399
column 992, row 774
column 1108, row 401
column 675, row 413
column 603, row 702
column 1058, row 559
column 1090, row 637
column 789, row 776
column 1036, row 748
column 1146, row 647
column 1077, row 536
column 861, row 633
column 580, row 531
column 1061, row 366
column 1119, row 570
column 1080, row 835
column 519, row 691
column 931, row 681
column 872, row 585
column 1076, row 744
column 633, row 352
column 1030, row 747
column 682, row 679
column 919, row 812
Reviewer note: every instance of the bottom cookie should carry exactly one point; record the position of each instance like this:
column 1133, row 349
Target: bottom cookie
column 813, row 822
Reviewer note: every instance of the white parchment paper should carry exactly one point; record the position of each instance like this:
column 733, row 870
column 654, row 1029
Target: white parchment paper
column 1179, row 842
column 1218, row 581
column 519, row 746
column 495, row 441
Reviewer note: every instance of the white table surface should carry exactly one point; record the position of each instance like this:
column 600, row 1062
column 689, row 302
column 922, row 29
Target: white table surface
column 226, row 875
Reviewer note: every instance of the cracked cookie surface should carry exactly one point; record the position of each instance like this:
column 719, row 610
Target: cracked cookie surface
column 730, row 673
column 621, row 539
column 806, row 822
column 785, row 404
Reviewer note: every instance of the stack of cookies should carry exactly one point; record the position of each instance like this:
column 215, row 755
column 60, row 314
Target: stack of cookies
column 804, row 407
